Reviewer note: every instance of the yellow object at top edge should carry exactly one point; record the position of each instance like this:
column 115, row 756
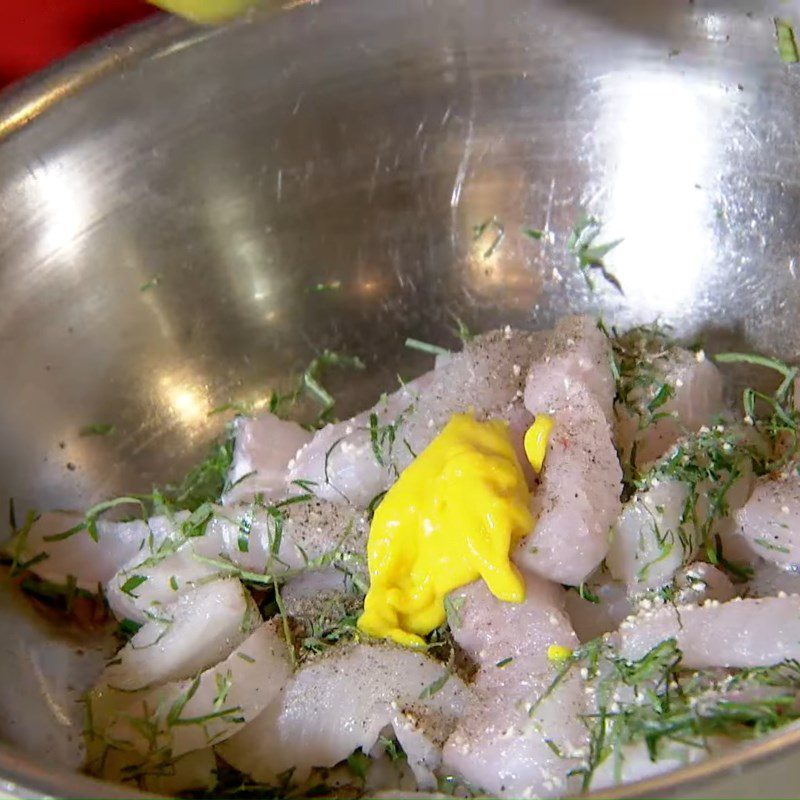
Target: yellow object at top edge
column 205, row 11
column 451, row 518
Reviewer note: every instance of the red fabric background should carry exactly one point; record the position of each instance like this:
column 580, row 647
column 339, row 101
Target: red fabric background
column 35, row 32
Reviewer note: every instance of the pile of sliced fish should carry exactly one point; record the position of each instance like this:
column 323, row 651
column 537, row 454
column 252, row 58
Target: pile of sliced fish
column 207, row 682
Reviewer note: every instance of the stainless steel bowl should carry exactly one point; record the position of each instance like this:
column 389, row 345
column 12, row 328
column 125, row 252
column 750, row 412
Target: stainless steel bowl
column 362, row 142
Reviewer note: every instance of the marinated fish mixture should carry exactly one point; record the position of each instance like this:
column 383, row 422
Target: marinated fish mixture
column 555, row 562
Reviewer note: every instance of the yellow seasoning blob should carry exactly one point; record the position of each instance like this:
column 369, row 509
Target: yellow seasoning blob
column 536, row 438
column 557, row 653
column 451, row 518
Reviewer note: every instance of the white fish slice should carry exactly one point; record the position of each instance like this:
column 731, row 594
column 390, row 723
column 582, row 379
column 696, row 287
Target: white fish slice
column 197, row 631
column 697, row 398
column 485, row 378
column 339, row 463
column 196, row 713
column 264, row 448
column 274, row 541
column 338, row 703
column 659, row 529
column 149, row 583
column 577, row 500
column 89, row 562
column 770, row 520
column 739, row 633
column 497, row 745
column 577, row 351
column 651, row 540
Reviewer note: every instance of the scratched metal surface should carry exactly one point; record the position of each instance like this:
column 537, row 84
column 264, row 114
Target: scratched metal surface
column 360, row 142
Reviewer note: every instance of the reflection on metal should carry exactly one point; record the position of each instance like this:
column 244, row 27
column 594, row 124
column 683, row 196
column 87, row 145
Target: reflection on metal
column 664, row 155
column 187, row 401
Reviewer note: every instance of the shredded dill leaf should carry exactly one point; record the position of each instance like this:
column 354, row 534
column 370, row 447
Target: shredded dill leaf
column 452, row 605
column 590, row 256
column 329, row 286
column 19, row 541
column 436, row 686
column 91, row 517
column 358, row 764
column 374, row 503
column 205, row 482
column 426, row 347
column 312, row 376
column 392, row 748
column 768, row 545
column 128, row 627
column 132, row 583
column 98, row 429
column 654, row 701
column 462, row 330
column 584, row 592
column 484, row 227
column 786, row 41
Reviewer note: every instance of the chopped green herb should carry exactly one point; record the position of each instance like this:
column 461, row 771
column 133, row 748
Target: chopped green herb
column 151, row 284
column 479, row 230
column 196, row 524
column 462, row 330
column 374, row 503
column 585, row 593
column 780, row 425
column 128, row 627
column 19, row 542
column 383, row 437
column 533, row 233
column 247, row 658
column 60, row 596
column 173, row 583
column 330, row 286
column 239, row 407
column 91, row 517
column 426, row 347
column 287, row 632
column 205, row 482
column 591, row 256
column 452, row 605
column 436, row 686
column 224, row 685
column 132, row 583
column 392, row 748
column 504, row 662
column 333, row 624
column 652, row 700
column 358, row 764
column 768, row 545
column 312, row 376
column 787, row 43
column 98, row 429
column 640, row 360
